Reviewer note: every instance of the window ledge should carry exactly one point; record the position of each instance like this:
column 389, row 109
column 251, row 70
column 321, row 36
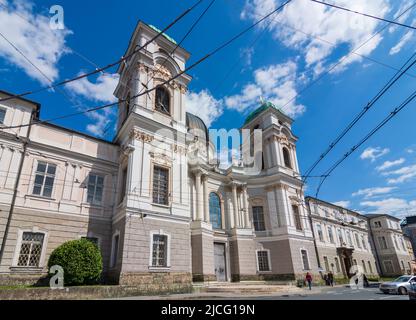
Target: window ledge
column 34, row 196
column 159, row 269
column 264, row 272
column 92, row 205
column 18, row 269
column 166, row 206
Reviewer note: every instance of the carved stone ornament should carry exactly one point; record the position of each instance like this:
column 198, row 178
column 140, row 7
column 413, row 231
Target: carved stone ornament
column 161, row 158
column 178, row 149
column 141, row 136
column 162, row 72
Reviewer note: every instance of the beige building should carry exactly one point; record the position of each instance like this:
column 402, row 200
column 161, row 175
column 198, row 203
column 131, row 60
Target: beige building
column 342, row 239
column 392, row 251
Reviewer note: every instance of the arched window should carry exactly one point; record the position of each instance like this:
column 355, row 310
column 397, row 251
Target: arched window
column 162, row 100
column 215, row 210
column 286, row 157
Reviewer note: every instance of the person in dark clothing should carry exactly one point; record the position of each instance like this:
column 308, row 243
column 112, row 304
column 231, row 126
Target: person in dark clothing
column 365, row 281
column 326, row 279
column 331, row 278
column 308, row 279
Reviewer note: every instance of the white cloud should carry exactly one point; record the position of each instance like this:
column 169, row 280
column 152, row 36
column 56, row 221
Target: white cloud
column 402, row 42
column 336, row 26
column 388, row 164
column 102, row 90
column 31, row 34
column 403, row 174
column 344, row 204
column 276, row 83
column 374, row 153
column 393, row 206
column 204, row 105
column 370, row 192
column 101, row 122
column 403, row 17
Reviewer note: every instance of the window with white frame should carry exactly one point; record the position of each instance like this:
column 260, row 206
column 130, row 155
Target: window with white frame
column 370, row 267
column 395, row 242
column 326, row 263
column 2, row 115
column 402, row 242
column 263, row 260
column 160, row 185
column 305, row 259
column 44, row 179
column 95, row 188
column 364, row 241
column 258, row 218
column 330, row 234
column 30, row 249
column 160, row 250
column 296, row 215
column 349, row 238
column 337, row 264
column 357, row 239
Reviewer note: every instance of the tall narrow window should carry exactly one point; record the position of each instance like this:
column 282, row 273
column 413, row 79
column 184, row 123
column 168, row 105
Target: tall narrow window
column 215, row 210
column 320, row 234
column 330, row 235
column 357, row 239
column 114, row 256
column 349, row 238
column 123, row 184
column 95, row 188
column 44, row 179
column 363, row 240
column 370, row 268
column 128, row 104
column 263, row 260
column 30, row 249
column 160, row 185
column 162, row 100
column 364, row 266
column 159, row 250
column 305, row 260
column 340, row 237
column 258, row 218
column 286, row 157
column 2, row 115
column 383, row 243
column 296, row 216
column 326, row 264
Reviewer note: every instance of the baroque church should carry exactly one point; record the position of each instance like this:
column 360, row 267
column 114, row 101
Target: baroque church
column 162, row 214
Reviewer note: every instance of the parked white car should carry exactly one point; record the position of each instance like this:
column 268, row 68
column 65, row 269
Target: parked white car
column 401, row 285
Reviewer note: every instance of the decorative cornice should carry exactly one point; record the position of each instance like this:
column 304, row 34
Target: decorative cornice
column 141, row 136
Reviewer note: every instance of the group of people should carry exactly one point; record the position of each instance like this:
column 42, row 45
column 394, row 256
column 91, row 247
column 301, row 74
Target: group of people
column 329, row 280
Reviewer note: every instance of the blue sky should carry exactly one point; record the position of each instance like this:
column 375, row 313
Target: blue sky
column 275, row 61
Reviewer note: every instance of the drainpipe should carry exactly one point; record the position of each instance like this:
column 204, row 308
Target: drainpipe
column 313, row 234
column 375, row 249
column 16, row 185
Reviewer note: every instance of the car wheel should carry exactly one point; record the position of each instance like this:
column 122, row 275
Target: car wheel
column 402, row 290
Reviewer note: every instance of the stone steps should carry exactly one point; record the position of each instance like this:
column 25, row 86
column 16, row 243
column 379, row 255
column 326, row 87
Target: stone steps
column 244, row 288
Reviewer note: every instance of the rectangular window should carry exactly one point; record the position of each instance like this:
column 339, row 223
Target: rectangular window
column 357, row 239
column 116, row 240
column 2, row 115
column 388, row 265
column 123, row 184
column 377, row 224
column 370, row 267
column 383, row 243
column 326, row 264
column 159, row 250
column 44, row 179
column 337, row 265
column 403, row 246
column 95, row 189
column 320, row 234
column 363, row 240
column 263, row 260
column 349, row 238
column 305, row 260
column 258, row 219
column 340, row 238
column 330, row 235
column 296, row 215
column 160, row 185
column 30, row 249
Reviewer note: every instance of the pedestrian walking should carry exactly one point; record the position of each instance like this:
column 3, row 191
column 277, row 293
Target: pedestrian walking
column 308, row 279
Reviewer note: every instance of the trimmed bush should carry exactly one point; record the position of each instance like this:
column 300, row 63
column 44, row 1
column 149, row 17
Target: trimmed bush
column 81, row 261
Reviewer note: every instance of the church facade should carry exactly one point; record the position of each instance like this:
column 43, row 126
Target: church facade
column 161, row 211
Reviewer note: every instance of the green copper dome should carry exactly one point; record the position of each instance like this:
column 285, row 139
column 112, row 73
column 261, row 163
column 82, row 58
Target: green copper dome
column 164, row 34
column 264, row 106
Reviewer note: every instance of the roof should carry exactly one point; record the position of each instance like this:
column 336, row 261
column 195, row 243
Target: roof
column 264, row 106
column 195, row 123
column 37, row 104
column 410, row 220
column 372, row 216
column 308, row 198
column 163, row 34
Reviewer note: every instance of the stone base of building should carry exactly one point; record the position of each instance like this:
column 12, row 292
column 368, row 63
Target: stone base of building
column 262, row 277
column 24, row 279
column 204, row 277
column 158, row 283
